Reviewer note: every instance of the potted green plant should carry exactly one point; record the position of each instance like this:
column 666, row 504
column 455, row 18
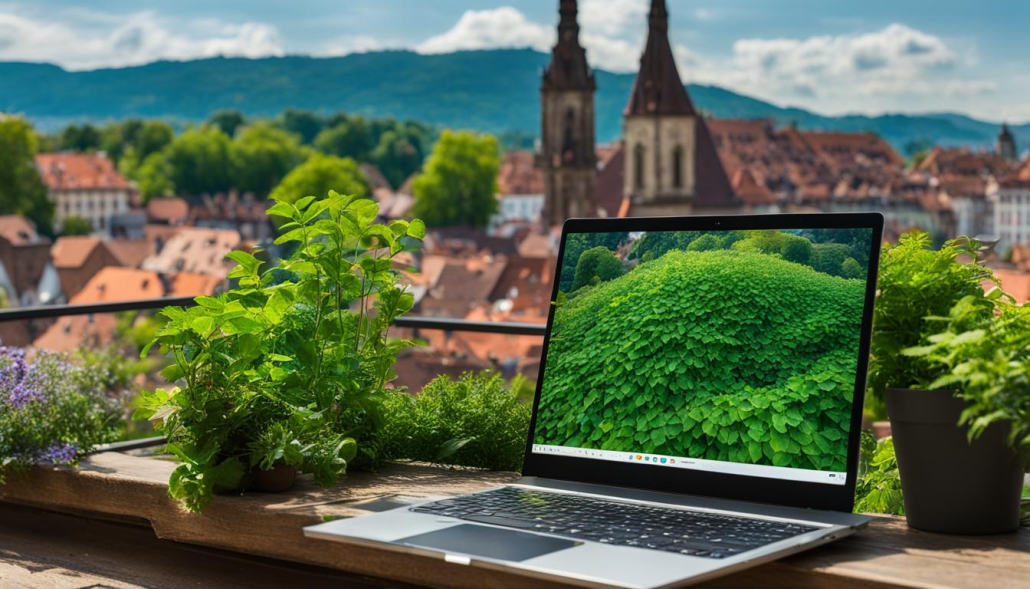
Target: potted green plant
column 947, row 482
column 286, row 371
column 986, row 358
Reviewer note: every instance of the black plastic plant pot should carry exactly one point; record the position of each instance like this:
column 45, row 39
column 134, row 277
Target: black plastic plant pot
column 952, row 486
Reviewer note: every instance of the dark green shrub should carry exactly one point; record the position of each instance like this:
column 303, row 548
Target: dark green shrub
column 596, row 265
column 706, row 242
column 727, row 355
column 829, row 257
column 475, row 421
column 576, row 244
column 655, row 244
column 852, row 269
column 787, row 246
column 797, row 249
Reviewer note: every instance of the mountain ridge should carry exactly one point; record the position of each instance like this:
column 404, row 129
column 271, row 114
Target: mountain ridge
column 486, row 90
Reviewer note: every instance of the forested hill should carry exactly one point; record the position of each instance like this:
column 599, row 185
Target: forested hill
column 492, row 91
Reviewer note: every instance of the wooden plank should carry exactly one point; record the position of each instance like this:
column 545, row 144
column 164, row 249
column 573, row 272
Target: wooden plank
column 114, row 485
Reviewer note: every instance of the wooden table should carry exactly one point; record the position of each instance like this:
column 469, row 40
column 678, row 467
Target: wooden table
column 128, row 488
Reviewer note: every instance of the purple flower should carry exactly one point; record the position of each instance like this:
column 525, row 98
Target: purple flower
column 57, row 454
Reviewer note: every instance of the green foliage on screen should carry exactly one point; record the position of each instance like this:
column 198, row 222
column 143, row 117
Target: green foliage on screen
column 725, row 355
column 597, row 265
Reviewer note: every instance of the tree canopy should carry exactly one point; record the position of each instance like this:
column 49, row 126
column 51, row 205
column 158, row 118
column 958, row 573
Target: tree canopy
column 319, row 175
column 459, row 182
column 21, row 189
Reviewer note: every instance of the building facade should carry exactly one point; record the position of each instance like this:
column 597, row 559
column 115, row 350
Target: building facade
column 85, row 185
column 567, row 147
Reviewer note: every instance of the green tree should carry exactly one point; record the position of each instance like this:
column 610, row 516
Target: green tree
column 396, row 157
column 459, row 184
column 796, row 249
column 852, row 269
column 576, row 244
column 596, row 265
column 319, row 175
column 304, row 123
column 75, row 226
column 706, row 242
column 655, row 244
column 228, row 121
column 829, row 257
column 261, row 156
column 152, row 137
column 350, row 137
column 199, row 161
column 80, row 138
column 154, row 177
column 21, row 189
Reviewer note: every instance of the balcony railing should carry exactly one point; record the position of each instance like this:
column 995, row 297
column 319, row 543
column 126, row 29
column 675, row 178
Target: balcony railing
column 410, row 322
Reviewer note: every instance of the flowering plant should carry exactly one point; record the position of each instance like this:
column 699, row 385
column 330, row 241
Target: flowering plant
column 51, row 410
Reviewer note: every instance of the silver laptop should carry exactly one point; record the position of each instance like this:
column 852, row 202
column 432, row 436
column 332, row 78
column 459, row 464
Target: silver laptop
column 697, row 412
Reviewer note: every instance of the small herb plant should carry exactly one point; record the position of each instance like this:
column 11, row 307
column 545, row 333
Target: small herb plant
column 290, row 366
column 475, row 421
column 916, row 282
column 985, row 357
column 53, row 410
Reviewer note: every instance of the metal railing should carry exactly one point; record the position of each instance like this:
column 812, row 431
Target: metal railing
column 410, row 322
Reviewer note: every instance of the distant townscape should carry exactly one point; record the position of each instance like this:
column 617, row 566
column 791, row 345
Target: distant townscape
column 135, row 211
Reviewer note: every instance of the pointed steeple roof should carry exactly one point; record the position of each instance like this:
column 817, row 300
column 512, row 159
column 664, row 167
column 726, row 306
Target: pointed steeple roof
column 1005, row 132
column 658, row 88
column 568, row 69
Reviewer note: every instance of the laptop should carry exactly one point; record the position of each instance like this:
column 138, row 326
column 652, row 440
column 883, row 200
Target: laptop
column 697, row 412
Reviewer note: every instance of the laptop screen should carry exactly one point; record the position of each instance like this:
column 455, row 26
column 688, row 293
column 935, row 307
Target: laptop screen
column 732, row 352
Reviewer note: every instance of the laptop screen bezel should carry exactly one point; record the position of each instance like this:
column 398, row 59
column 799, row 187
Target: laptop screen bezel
column 696, row 482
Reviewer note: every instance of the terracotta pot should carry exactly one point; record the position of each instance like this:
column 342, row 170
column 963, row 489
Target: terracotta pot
column 952, row 486
column 279, row 479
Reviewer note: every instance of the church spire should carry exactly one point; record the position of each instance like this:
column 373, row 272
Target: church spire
column 658, row 88
column 568, row 69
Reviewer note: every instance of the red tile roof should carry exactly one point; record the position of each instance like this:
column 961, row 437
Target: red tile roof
column 79, row 171
column 71, row 251
column 18, row 230
column 170, row 211
column 519, row 175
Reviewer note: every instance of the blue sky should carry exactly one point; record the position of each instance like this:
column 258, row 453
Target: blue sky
column 832, row 56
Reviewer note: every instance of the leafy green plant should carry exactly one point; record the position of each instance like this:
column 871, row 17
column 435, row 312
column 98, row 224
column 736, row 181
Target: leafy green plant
column 596, row 265
column 915, row 283
column 291, row 365
column 878, row 489
column 52, row 410
column 475, row 421
column 984, row 354
column 758, row 367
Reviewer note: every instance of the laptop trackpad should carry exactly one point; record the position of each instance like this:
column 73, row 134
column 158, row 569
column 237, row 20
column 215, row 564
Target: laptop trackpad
column 488, row 542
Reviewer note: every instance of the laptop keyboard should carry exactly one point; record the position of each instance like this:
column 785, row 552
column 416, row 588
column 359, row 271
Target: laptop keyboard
column 683, row 531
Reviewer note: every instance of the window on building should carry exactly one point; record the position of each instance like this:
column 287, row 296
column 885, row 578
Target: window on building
column 677, row 167
column 638, row 167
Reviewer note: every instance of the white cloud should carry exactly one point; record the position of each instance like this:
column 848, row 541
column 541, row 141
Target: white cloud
column 491, row 29
column 895, row 65
column 613, row 17
column 138, row 38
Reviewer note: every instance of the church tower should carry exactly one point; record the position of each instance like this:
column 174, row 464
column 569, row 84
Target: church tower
column 660, row 126
column 567, row 157
column 1007, row 144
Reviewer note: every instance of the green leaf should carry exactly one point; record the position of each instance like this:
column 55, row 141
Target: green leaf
column 417, row 229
